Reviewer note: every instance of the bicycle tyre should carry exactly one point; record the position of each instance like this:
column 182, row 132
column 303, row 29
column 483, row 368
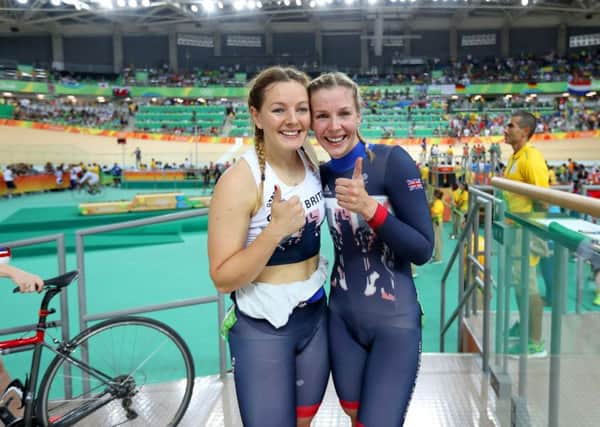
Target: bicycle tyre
column 109, row 343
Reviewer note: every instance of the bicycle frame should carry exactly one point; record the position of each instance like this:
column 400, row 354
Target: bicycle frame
column 37, row 343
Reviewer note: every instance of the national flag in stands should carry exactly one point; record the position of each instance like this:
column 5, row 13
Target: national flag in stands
column 414, row 184
column 4, row 255
column 120, row 91
column 531, row 87
column 580, row 85
column 459, row 87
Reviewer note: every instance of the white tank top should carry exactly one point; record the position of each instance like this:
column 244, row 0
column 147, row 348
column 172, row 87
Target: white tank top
column 306, row 242
column 275, row 303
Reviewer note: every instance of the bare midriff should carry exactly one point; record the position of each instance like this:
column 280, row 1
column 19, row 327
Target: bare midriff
column 286, row 273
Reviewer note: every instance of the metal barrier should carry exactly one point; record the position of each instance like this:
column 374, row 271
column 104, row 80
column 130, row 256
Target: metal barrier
column 63, row 321
column 477, row 199
column 84, row 317
column 562, row 247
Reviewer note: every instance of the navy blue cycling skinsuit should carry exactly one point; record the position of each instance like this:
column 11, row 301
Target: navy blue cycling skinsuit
column 375, row 317
column 279, row 342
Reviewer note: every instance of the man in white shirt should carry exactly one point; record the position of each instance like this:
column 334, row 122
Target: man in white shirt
column 9, row 181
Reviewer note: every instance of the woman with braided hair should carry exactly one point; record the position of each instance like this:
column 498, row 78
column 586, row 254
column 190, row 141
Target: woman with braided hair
column 263, row 247
column 377, row 211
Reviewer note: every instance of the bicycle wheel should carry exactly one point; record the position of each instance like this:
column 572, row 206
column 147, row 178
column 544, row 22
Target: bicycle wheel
column 140, row 373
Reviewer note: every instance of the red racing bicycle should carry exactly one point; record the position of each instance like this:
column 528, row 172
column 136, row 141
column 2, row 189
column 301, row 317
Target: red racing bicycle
column 130, row 371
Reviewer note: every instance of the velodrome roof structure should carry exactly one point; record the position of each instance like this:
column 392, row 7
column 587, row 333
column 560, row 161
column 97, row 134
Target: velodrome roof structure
column 76, row 16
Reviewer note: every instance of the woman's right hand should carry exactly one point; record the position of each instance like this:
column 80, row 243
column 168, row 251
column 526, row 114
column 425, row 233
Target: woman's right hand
column 287, row 216
column 26, row 282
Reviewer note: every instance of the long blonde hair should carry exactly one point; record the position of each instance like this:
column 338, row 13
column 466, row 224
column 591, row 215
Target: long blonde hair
column 256, row 98
column 337, row 79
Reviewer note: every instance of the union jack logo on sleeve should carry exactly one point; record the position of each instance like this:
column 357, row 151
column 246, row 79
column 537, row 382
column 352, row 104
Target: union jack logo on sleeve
column 414, row 184
column 4, row 254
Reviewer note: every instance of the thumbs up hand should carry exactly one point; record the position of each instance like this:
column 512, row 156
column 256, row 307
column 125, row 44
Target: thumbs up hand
column 351, row 193
column 287, row 216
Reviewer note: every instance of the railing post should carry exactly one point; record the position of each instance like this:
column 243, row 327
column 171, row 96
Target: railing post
column 64, row 311
column 561, row 260
column 487, row 281
column 524, row 320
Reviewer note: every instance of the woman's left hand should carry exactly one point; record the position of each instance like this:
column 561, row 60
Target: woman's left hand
column 352, row 195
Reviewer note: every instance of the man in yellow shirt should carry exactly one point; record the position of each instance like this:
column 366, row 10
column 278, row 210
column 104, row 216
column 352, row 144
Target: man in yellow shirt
column 424, row 171
column 456, row 217
column 526, row 165
column 552, row 176
column 437, row 216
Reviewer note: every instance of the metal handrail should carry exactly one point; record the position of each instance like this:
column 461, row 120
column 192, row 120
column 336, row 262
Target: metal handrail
column 84, row 317
column 487, row 200
column 458, row 249
column 63, row 321
column 59, row 238
column 583, row 204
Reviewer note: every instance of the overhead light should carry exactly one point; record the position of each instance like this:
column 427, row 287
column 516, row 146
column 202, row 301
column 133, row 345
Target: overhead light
column 298, row 2
column 220, row 5
column 194, row 8
column 259, row 4
column 121, row 3
column 55, row 2
column 566, row 94
column 40, row 96
column 146, row 3
column 524, row 2
column 590, row 94
column 22, row 1
column 7, row 94
column 209, row 6
column 132, row 3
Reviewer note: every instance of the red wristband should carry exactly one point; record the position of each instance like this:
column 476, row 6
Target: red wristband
column 378, row 219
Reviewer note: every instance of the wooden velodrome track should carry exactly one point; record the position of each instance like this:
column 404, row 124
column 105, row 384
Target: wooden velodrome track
column 40, row 146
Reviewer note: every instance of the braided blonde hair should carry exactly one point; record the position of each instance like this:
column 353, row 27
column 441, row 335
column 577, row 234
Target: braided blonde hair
column 256, row 97
column 337, row 79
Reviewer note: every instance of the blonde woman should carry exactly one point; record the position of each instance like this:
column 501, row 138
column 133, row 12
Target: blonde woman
column 379, row 221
